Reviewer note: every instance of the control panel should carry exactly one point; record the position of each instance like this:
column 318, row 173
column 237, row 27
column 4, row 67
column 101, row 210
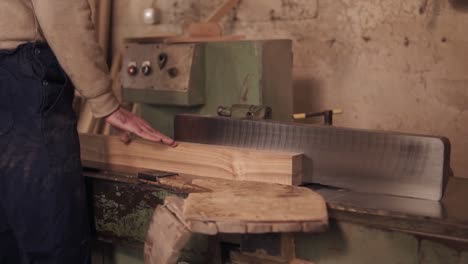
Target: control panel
column 163, row 74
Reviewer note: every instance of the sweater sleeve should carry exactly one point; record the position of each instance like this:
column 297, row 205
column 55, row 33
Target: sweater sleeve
column 69, row 31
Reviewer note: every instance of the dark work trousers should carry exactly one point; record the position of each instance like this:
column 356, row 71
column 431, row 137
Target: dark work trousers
column 42, row 197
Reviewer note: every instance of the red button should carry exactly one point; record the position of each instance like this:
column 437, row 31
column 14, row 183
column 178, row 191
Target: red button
column 132, row 70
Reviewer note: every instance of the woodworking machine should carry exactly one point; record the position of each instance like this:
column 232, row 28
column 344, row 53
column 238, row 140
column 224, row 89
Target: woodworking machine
column 390, row 180
column 169, row 79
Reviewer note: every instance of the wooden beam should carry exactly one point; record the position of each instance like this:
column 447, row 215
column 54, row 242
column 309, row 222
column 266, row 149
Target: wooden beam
column 195, row 159
column 206, row 29
column 222, row 11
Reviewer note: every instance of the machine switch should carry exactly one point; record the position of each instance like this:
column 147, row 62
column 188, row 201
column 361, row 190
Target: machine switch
column 132, row 69
column 162, row 60
column 146, row 68
column 173, row 72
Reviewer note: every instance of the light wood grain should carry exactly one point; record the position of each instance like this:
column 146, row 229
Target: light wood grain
column 222, row 11
column 204, row 30
column 166, row 238
column 195, row 159
column 211, row 209
column 251, row 207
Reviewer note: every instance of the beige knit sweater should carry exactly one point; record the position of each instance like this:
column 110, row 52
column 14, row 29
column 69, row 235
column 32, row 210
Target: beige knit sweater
column 67, row 27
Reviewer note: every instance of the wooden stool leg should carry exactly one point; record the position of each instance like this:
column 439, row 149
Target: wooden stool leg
column 287, row 254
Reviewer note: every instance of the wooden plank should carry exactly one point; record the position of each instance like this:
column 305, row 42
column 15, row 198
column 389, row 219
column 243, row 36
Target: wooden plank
column 195, row 159
column 204, row 30
column 222, row 11
column 252, row 207
column 167, row 236
column 189, row 39
column 175, row 204
column 148, row 37
column 207, row 195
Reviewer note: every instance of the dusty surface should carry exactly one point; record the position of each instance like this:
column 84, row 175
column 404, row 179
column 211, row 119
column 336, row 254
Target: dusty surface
column 392, row 65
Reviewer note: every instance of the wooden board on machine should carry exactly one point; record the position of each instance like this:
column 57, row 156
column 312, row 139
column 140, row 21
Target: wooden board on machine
column 105, row 152
column 250, row 207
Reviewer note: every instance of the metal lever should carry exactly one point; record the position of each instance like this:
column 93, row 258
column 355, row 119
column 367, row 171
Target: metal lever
column 162, row 60
column 327, row 115
column 241, row 111
column 154, row 175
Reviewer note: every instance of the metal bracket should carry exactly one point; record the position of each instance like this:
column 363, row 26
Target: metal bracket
column 154, row 175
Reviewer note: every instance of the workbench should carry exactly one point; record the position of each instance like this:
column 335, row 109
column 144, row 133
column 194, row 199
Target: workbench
column 123, row 207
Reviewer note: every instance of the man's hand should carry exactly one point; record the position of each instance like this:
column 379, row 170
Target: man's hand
column 128, row 122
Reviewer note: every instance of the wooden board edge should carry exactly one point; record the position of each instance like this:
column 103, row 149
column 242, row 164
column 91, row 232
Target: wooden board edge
column 243, row 227
column 297, row 169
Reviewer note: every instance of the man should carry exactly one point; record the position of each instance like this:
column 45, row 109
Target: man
column 47, row 47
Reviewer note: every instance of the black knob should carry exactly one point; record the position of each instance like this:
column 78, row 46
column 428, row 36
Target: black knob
column 162, row 60
column 173, row 72
column 146, row 70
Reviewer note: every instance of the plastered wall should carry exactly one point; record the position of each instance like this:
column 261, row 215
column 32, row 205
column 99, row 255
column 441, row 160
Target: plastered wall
column 389, row 64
